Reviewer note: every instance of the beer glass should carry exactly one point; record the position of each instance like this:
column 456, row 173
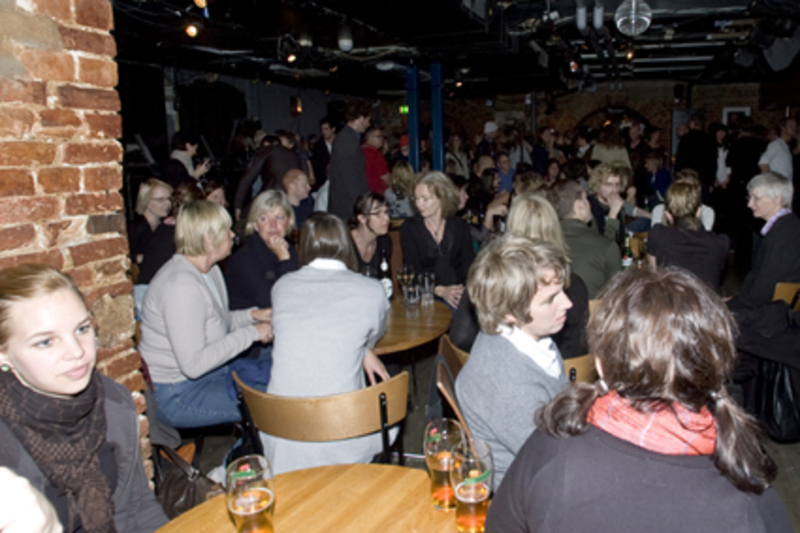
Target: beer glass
column 472, row 476
column 250, row 496
column 442, row 437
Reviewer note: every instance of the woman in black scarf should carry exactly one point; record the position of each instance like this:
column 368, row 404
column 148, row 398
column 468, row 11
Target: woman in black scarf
column 70, row 431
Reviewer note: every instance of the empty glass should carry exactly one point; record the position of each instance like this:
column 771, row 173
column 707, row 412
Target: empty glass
column 427, row 284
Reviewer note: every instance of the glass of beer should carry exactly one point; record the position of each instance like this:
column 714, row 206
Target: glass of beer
column 441, row 439
column 472, row 476
column 250, row 496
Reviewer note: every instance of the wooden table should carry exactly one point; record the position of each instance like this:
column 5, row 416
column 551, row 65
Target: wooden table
column 410, row 327
column 353, row 498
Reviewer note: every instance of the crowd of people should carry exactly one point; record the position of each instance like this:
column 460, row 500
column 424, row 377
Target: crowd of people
column 275, row 276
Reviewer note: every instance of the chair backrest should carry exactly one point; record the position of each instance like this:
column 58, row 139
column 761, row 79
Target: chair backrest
column 448, row 390
column 581, row 369
column 789, row 293
column 327, row 418
column 454, row 356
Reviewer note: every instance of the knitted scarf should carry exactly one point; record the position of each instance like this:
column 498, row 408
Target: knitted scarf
column 63, row 435
column 669, row 430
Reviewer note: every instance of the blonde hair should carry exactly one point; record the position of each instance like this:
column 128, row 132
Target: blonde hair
column 25, row 282
column 506, row 275
column 146, row 193
column 266, row 202
column 682, row 202
column 196, row 222
column 532, row 216
column 403, row 179
column 443, row 188
column 603, row 172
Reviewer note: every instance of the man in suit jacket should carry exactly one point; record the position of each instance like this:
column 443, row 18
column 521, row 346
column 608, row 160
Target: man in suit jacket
column 347, row 170
column 321, row 152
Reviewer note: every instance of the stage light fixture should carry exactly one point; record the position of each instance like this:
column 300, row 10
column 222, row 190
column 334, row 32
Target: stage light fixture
column 192, row 29
column 202, row 4
column 345, row 38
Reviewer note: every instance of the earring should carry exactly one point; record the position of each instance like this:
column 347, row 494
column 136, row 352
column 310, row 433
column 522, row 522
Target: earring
column 5, row 368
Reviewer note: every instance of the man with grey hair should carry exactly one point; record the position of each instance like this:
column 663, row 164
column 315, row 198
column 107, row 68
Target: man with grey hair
column 778, row 256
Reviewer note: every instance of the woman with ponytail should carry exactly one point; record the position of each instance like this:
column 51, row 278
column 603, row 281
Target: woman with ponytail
column 656, row 444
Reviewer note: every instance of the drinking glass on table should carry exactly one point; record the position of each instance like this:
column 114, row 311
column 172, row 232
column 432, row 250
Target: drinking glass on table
column 442, row 437
column 472, row 478
column 250, row 496
column 427, row 284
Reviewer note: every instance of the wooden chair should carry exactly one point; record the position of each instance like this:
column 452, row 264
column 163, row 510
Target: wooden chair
column 789, row 293
column 454, row 356
column 581, row 369
column 329, row 418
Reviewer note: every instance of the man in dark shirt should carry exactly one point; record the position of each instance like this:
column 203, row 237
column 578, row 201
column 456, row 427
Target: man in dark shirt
column 321, row 152
column 271, row 163
column 698, row 151
column 347, row 170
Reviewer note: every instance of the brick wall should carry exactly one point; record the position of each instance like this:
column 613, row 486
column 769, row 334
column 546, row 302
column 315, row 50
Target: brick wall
column 60, row 172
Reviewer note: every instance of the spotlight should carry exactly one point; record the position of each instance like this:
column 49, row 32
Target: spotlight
column 192, row 29
column 630, row 53
column 573, row 66
column 202, row 4
column 459, row 84
column 291, row 58
column 345, row 38
column 288, row 49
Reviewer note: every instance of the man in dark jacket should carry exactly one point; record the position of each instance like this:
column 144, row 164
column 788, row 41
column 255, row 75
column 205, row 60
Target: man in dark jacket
column 698, row 151
column 321, row 152
column 347, row 170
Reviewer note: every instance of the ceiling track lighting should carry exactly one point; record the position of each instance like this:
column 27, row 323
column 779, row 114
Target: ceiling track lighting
column 288, row 49
column 193, row 28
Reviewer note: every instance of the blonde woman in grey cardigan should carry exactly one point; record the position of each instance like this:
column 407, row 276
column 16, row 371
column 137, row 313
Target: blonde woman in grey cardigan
column 188, row 334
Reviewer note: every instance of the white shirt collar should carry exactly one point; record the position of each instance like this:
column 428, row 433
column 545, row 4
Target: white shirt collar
column 543, row 352
column 327, row 264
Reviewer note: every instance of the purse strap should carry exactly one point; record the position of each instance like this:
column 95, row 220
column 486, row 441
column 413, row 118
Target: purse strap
column 190, row 471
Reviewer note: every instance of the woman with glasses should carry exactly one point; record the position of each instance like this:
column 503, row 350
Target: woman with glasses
column 369, row 227
column 152, row 205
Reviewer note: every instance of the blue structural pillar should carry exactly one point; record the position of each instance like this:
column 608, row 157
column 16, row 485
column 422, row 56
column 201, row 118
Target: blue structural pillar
column 412, row 90
column 437, row 116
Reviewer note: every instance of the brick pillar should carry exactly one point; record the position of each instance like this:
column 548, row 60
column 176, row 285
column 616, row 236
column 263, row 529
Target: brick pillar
column 60, row 170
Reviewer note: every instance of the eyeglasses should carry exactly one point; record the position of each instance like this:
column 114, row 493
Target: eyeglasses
column 165, row 199
column 379, row 212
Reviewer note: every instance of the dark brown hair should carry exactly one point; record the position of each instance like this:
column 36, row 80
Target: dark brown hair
column 325, row 236
column 663, row 336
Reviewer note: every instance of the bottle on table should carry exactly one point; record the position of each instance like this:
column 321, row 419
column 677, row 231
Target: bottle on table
column 627, row 254
column 386, row 275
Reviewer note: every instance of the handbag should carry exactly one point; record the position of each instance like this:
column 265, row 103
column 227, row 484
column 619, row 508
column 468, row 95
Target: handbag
column 183, row 486
column 778, row 409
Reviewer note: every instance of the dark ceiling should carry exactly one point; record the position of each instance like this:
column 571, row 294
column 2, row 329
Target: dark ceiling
column 491, row 46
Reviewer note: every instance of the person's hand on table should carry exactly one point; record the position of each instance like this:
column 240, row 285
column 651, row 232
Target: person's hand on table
column 264, row 330
column 279, row 247
column 262, row 315
column 24, row 509
column 373, row 366
column 450, row 294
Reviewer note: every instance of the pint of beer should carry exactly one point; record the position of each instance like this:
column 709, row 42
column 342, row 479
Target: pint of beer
column 250, row 495
column 441, row 438
column 471, row 476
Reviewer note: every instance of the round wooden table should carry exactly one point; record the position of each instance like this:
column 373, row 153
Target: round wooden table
column 409, row 327
column 352, row 498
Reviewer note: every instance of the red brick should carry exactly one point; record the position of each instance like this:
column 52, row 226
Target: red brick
column 57, row 9
column 82, row 153
column 51, row 258
column 16, row 236
column 94, row 13
column 95, row 99
column 60, row 179
column 110, row 269
column 98, row 250
column 26, row 92
column 24, row 154
column 123, row 287
column 16, row 182
column 59, row 117
column 104, row 126
column 106, row 353
column 88, row 41
column 63, row 232
column 134, row 381
column 92, row 203
column 97, row 224
column 83, row 277
column 100, row 72
column 103, row 178
column 20, row 210
column 47, row 65
column 15, row 122
column 121, row 364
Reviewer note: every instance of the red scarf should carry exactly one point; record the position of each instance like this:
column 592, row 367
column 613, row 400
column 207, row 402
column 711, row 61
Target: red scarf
column 669, row 430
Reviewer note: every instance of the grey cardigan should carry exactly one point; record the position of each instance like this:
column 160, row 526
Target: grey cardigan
column 500, row 389
column 186, row 331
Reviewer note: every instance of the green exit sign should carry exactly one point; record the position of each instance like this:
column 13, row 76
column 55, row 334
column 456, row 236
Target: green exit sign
column 404, row 110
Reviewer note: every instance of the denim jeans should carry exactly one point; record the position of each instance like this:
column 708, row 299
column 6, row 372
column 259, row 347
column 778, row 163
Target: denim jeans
column 196, row 402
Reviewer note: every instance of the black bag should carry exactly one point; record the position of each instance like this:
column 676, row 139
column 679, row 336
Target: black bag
column 778, row 408
column 183, row 486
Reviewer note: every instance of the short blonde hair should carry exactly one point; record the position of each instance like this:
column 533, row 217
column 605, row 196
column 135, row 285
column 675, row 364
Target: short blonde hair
column 603, row 172
column 444, row 189
column 532, row 216
column 146, row 193
column 266, row 202
column 506, row 275
column 403, row 179
column 196, row 222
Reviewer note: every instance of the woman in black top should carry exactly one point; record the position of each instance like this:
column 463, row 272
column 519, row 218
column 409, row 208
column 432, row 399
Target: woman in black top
column 435, row 240
column 152, row 205
column 369, row 227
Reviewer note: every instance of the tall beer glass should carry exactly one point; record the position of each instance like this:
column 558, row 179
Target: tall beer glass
column 441, row 438
column 472, row 475
column 250, row 496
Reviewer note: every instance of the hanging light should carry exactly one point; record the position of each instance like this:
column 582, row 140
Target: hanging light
column 202, row 4
column 633, row 17
column 192, row 29
column 345, row 38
